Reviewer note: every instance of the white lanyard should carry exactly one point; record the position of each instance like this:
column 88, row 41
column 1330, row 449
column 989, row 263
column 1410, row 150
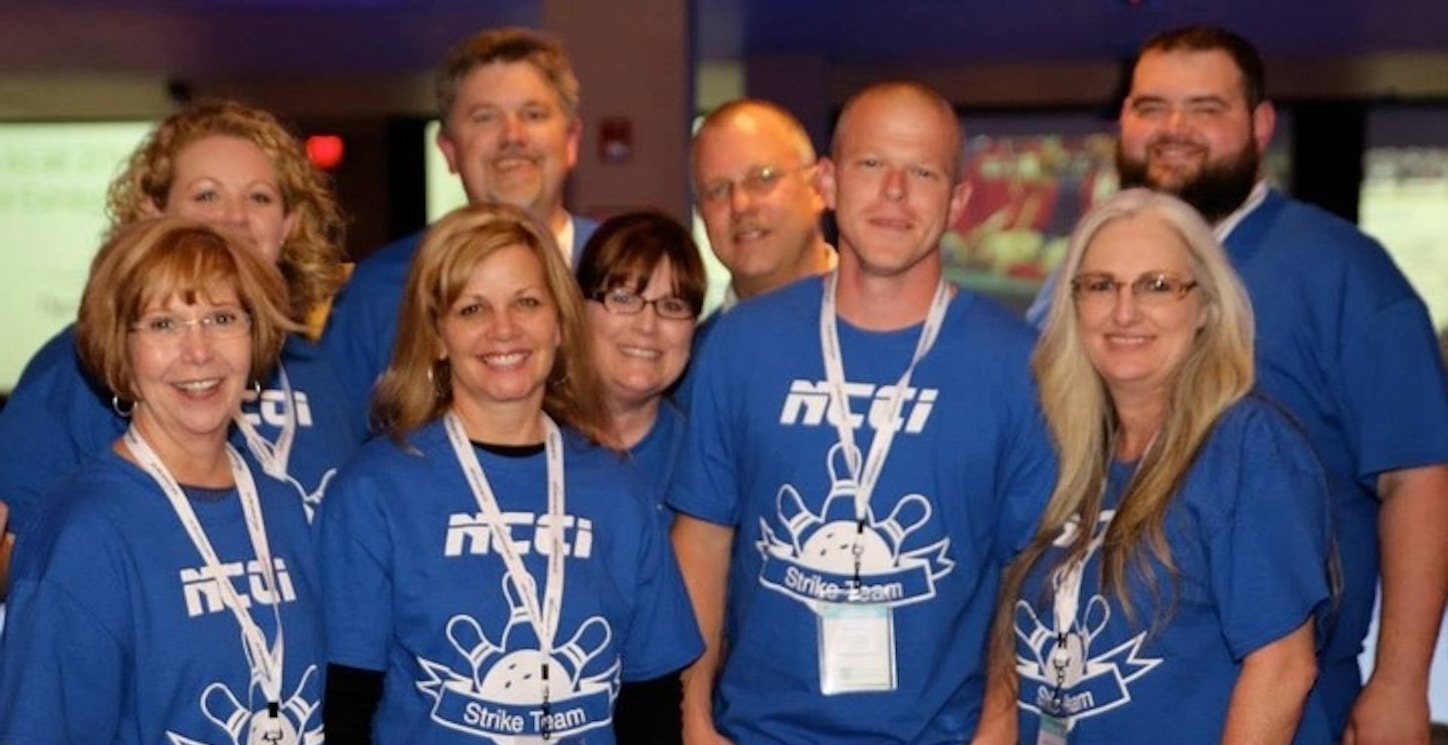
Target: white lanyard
column 1066, row 581
column 266, row 665
column 273, row 457
column 866, row 477
column 544, row 617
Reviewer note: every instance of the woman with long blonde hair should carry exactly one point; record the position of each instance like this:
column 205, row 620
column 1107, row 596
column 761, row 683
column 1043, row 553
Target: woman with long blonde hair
column 1178, row 575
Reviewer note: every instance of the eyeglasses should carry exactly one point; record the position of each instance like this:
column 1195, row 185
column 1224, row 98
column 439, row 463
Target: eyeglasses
column 758, row 182
column 625, row 302
column 223, row 323
column 1150, row 289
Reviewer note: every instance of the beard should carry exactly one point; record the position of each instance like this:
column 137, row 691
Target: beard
column 1216, row 190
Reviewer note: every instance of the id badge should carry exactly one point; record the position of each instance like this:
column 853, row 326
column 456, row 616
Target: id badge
column 1052, row 731
column 857, row 648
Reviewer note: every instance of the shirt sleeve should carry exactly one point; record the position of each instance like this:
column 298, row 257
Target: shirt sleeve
column 707, row 481
column 354, row 547
column 664, row 635
column 1269, row 552
column 64, row 664
column 1399, row 411
column 53, row 421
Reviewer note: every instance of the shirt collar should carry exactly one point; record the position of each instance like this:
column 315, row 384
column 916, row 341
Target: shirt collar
column 1230, row 222
column 565, row 240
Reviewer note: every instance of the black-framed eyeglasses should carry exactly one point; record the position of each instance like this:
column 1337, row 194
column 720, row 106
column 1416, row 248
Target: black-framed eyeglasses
column 758, row 182
column 1151, row 288
column 626, row 302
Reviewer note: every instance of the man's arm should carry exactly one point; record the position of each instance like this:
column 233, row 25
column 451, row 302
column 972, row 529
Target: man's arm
column 703, row 551
column 998, row 722
column 1268, row 697
column 1393, row 708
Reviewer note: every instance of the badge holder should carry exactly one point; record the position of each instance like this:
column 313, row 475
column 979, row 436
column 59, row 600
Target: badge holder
column 1052, row 730
column 857, row 648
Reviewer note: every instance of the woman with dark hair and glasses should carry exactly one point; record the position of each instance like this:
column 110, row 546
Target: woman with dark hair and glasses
column 1180, row 573
column 167, row 591
column 645, row 282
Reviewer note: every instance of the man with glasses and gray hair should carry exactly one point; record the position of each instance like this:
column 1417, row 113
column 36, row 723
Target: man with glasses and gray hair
column 755, row 188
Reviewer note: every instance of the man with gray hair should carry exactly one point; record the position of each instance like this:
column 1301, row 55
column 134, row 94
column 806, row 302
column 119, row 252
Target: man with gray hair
column 508, row 102
column 756, row 189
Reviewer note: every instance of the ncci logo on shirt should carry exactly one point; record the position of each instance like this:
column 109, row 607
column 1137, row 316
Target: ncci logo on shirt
column 203, row 594
column 808, row 405
column 468, row 533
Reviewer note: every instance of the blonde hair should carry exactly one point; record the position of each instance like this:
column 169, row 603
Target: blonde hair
column 164, row 257
column 416, row 387
column 311, row 257
column 1216, row 373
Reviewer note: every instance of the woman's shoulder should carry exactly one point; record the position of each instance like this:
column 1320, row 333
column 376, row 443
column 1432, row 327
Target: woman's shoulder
column 580, row 452
column 104, row 496
column 598, row 472
column 387, row 464
column 383, row 451
column 1256, row 421
column 106, row 477
column 1257, row 449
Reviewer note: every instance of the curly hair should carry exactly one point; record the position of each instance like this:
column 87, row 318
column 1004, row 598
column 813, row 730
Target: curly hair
column 311, row 257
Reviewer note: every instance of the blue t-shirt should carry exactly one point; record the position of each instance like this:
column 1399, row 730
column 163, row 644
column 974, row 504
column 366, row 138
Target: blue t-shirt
column 58, row 418
column 966, row 478
column 362, row 325
column 1345, row 344
column 656, row 456
column 117, row 632
column 1249, row 538
column 416, row 589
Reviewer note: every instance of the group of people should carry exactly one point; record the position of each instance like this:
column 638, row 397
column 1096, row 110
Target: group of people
column 520, row 493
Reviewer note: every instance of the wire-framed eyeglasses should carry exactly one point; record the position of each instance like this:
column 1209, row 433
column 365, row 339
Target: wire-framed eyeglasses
column 1151, row 288
column 626, row 302
column 222, row 323
column 758, row 182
